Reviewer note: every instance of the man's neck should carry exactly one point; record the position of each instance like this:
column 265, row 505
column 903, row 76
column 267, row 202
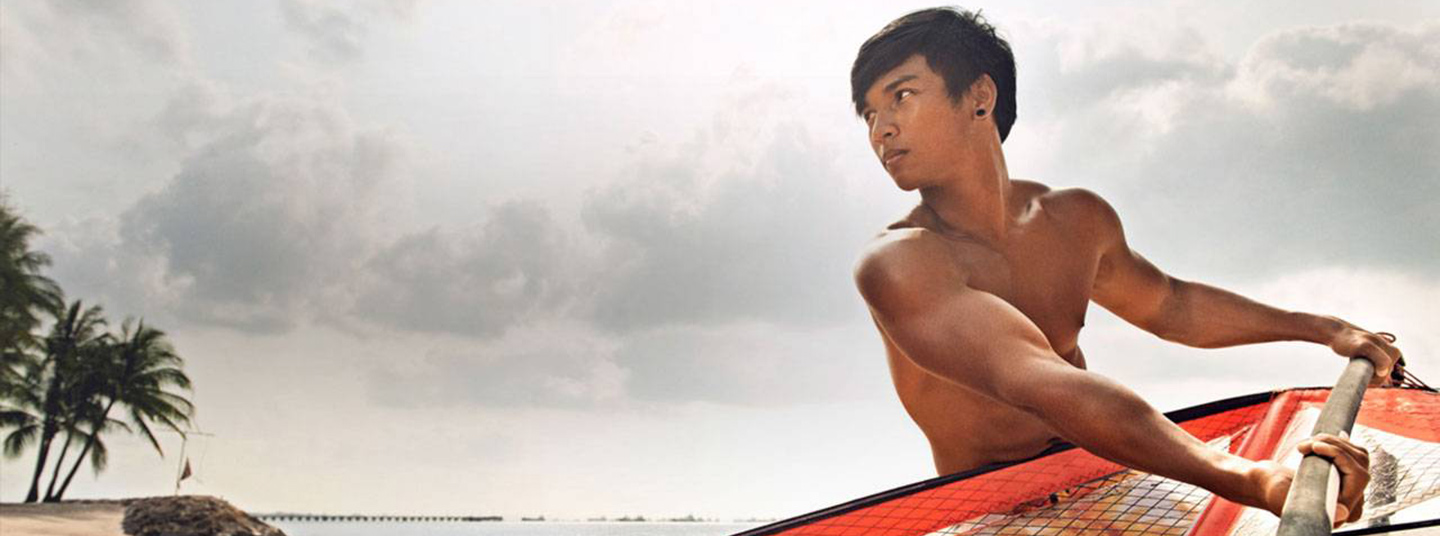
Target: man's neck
column 976, row 204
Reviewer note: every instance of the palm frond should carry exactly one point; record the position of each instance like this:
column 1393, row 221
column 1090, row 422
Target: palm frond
column 147, row 434
column 99, row 456
column 22, row 437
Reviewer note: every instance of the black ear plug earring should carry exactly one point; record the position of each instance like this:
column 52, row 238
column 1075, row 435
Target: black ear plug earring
column 980, row 113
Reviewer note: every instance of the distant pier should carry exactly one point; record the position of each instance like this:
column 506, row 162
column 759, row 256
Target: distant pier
column 355, row 518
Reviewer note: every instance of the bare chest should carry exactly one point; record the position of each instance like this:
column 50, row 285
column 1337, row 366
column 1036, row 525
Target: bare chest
column 1044, row 272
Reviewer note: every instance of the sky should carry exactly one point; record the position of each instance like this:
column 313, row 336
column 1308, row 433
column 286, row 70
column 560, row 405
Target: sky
column 594, row 258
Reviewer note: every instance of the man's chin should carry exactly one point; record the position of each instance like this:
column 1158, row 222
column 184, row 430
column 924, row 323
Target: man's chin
column 904, row 185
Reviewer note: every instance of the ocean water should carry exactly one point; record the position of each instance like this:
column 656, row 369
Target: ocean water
column 508, row 528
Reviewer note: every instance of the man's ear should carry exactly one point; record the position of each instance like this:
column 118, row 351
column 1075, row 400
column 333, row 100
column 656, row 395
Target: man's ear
column 982, row 95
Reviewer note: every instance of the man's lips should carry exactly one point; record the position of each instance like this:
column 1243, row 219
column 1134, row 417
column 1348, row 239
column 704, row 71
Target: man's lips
column 892, row 155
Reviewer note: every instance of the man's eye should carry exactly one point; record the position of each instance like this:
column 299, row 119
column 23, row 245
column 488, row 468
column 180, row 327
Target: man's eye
column 900, row 95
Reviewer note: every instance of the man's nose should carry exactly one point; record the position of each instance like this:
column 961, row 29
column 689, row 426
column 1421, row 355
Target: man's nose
column 882, row 130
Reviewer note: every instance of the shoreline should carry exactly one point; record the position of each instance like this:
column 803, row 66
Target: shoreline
column 178, row 515
column 88, row 517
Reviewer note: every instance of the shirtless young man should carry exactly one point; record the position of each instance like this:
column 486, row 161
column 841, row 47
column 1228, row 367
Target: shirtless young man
column 980, row 292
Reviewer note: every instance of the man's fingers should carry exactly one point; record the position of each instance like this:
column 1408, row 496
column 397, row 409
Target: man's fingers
column 1359, row 511
column 1342, row 441
column 1383, row 359
column 1387, row 343
column 1343, row 460
column 1353, row 463
column 1397, row 373
column 1349, row 457
column 1378, row 347
column 1349, row 511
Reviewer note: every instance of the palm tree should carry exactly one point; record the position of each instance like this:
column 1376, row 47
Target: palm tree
column 24, row 296
column 24, row 293
column 141, row 366
column 84, row 405
column 58, row 382
column 25, row 409
column 83, row 402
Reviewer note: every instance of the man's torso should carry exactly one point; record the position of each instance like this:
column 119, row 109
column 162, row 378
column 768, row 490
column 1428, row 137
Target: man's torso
column 1044, row 269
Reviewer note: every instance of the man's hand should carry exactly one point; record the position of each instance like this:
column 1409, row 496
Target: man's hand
column 1352, row 460
column 1352, row 341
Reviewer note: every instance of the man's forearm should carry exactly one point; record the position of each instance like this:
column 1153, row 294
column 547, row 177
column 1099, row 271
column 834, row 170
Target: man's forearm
column 1109, row 420
column 1203, row 316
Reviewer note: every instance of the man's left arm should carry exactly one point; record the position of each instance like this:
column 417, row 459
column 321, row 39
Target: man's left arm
column 1203, row 316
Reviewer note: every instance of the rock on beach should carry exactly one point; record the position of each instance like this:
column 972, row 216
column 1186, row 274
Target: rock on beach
column 191, row 515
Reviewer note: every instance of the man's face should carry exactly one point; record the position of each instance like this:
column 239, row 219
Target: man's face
column 915, row 129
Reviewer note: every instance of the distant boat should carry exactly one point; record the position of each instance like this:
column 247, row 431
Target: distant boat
column 541, row 518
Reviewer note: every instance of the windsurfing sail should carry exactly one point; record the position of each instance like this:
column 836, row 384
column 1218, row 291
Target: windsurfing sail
column 1068, row 491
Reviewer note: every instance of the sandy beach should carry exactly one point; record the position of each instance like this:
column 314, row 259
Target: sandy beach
column 62, row 519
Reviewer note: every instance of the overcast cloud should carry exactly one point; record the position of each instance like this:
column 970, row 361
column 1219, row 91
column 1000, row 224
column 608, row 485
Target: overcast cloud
column 284, row 210
column 769, row 238
column 516, row 267
column 336, row 32
column 613, row 222
column 1321, row 137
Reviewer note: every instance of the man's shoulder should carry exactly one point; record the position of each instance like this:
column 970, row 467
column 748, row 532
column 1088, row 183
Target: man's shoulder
column 1080, row 209
column 898, row 247
column 901, row 261
column 1078, row 202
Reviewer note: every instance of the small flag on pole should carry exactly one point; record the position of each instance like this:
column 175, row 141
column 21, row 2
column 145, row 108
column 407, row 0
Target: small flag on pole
column 186, row 473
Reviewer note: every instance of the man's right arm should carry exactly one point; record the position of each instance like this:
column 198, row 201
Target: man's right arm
column 918, row 296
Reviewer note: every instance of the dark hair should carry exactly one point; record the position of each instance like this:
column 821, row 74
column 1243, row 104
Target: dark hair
column 958, row 45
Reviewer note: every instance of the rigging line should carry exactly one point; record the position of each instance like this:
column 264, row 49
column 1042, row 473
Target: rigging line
column 1414, row 382
column 200, row 467
column 1401, row 376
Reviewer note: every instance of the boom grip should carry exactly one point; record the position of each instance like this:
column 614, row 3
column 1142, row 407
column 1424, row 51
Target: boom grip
column 1307, row 508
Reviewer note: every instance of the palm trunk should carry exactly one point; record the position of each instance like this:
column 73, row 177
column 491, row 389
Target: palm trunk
column 47, row 430
column 59, row 462
column 94, row 430
column 46, row 434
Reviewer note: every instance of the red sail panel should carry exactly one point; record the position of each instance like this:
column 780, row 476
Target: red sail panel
column 1400, row 428
column 1072, row 492
column 1220, row 516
